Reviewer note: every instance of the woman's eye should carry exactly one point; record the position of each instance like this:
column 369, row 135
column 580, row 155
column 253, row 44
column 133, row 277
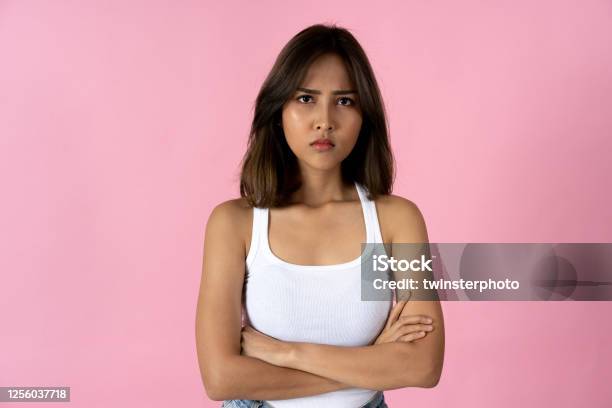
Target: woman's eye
column 349, row 100
column 303, row 96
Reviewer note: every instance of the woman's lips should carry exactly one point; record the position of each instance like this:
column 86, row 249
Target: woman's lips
column 322, row 145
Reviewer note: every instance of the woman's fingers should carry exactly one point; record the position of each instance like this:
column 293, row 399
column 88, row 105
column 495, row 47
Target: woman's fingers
column 396, row 312
column 412, row 336
column 410, row 325
column 411, row 328
column 413, row 319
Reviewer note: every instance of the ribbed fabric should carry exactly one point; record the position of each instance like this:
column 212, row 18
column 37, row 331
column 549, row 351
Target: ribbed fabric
column 313, row 303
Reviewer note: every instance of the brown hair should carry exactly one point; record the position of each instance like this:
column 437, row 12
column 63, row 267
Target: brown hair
column 269, row 168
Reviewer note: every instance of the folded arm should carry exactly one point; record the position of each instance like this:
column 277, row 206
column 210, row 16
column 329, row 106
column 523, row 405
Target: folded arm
column 377, row 367
column 241, row 377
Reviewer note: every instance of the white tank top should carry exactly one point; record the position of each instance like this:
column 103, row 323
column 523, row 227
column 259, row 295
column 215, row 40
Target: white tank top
column 314, row 303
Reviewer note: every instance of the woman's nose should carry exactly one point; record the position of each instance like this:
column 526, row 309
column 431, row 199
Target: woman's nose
column 324, row 126
column 324, row 119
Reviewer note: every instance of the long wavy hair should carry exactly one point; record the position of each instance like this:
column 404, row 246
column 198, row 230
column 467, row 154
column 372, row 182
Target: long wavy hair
column 270, row 173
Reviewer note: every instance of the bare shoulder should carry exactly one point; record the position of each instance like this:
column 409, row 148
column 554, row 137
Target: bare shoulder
column 231, row 210
column 231, row 218
column 400, row 219
column 398, row 205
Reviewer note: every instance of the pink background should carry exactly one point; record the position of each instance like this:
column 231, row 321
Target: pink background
column 122, row 124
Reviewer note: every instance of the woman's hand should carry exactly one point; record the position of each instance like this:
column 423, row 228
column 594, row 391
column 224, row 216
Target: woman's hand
column 258, row 345
column 404, row 328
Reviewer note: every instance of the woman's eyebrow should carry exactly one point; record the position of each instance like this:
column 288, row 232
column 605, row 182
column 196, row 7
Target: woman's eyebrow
column 339, row 92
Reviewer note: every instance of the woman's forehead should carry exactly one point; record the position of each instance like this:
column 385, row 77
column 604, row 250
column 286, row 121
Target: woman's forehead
column 328, row 71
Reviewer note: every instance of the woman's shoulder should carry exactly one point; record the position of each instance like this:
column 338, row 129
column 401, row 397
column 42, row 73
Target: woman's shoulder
column 232, row 212
column 396, row 214
column 233, row 207
column 397, row 205
column 234, row 215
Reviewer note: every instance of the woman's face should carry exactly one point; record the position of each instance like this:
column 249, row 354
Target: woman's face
column 325, row 108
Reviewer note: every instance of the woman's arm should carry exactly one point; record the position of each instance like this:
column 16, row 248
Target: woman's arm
column 380, row 366
column 225, row 373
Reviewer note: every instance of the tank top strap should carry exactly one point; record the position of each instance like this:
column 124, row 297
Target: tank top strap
column 258, row 233
column 371, row 218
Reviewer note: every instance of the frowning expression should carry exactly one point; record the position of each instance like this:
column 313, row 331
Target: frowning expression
column 322, row 120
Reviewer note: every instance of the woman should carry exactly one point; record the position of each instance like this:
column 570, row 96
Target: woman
column 316, row 179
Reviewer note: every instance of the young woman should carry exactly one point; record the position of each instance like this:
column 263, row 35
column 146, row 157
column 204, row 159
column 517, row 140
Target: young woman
column 315, row 184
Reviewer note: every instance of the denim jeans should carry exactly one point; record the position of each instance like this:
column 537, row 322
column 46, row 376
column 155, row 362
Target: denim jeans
column 378, row 401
